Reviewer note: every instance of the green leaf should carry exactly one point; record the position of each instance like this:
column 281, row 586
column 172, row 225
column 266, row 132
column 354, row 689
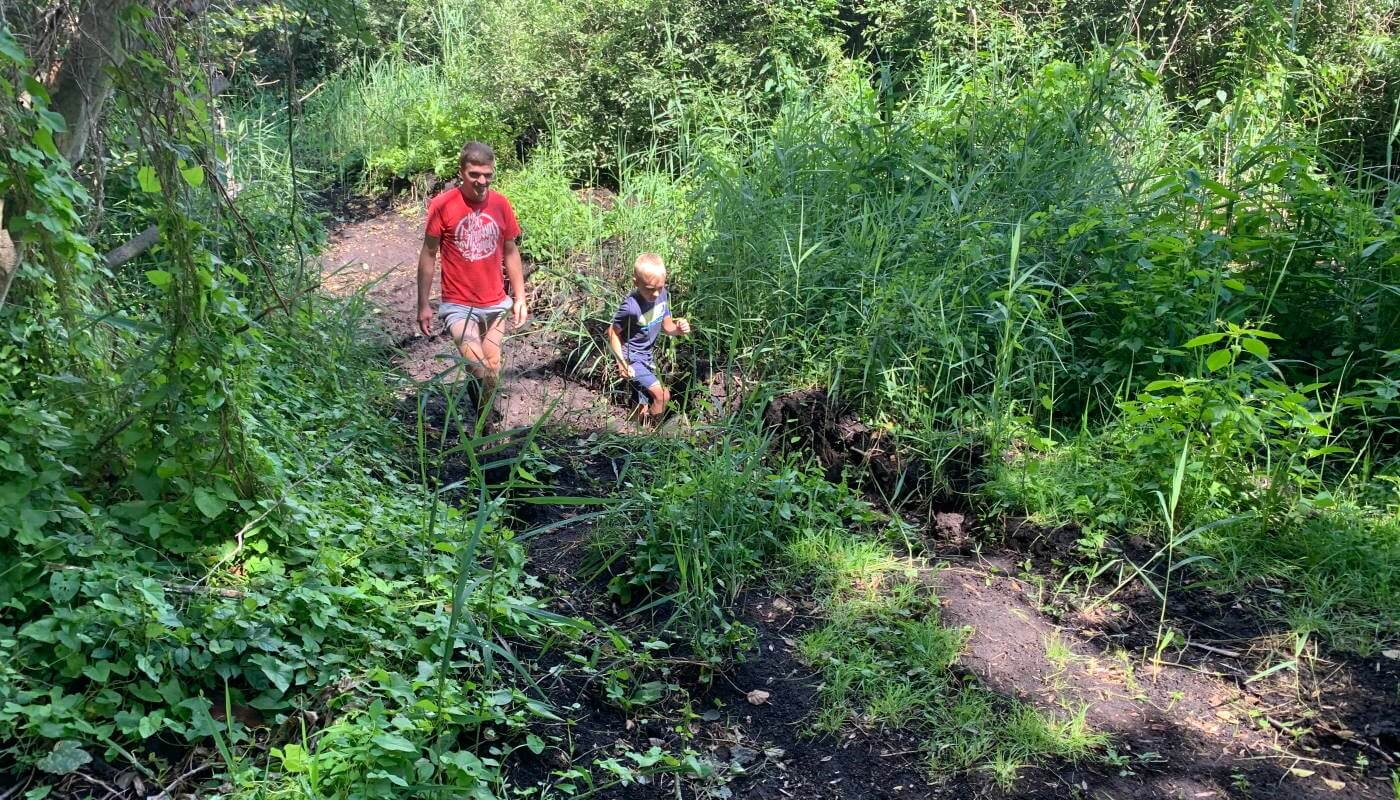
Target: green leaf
column 1219, row 359
column 159, row 277
column 466, row 762
column 66, row 757
column 149, row 724
column 63, row 585
column 277, row 672
column 395, row 742
column 210, row 504
column 1157, row 386
column 1204, row 339
column 146, row 177
column 294, row 758
column 534, row 743
column 194, row 175
column 10, row 49
column 1256, row 347
column 1234, row 284
column 43, row 139
column 1219, row 189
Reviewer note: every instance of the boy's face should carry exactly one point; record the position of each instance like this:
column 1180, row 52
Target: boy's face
column 649, row 286
column 476, row 179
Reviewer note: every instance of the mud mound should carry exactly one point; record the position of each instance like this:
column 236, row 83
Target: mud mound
column 811, row 420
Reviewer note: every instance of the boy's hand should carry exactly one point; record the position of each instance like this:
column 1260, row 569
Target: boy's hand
column 519, row 311
column 425, row 320
column 682, row 326
column 625, row 370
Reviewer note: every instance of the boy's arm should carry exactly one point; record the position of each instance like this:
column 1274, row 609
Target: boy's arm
column 615, row 345
column 675, row 326
column 427, row 260
column 515, row 273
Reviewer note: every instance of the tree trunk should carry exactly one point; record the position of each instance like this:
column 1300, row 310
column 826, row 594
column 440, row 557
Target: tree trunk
column 9, row 258
column 85, row 78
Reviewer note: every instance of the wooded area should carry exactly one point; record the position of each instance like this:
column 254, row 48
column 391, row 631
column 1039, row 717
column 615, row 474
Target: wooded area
column 1039, row 435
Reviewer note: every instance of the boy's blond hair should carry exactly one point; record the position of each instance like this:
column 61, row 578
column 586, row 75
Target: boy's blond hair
column 649, row 265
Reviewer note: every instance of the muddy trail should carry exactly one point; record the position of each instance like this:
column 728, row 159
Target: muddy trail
column 1211, row 717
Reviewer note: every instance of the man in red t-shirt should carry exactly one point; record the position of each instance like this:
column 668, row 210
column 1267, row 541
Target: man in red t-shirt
column 475, row 229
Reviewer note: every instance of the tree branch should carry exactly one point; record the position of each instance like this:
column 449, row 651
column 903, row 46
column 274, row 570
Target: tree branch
column 133, row 248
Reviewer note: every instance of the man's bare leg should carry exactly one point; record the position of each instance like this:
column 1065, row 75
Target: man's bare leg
column 490, row 371
column 474, row 343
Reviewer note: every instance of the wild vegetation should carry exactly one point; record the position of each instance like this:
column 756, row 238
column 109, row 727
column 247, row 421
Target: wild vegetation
column 1128, row 276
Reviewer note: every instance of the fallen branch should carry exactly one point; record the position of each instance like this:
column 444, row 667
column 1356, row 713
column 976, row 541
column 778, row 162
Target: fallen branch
column 137, row 245
column 165, row 794
column 1220, row 651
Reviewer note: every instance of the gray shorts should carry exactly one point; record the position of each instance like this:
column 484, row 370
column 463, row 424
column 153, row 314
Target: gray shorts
column 484, row 316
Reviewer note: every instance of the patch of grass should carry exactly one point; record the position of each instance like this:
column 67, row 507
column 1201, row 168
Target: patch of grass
column 886, row 662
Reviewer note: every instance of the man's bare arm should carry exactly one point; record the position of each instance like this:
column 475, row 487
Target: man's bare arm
column 515, row 274
column 427, row 262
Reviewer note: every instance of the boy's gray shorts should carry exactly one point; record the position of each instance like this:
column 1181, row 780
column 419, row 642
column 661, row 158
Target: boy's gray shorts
column 450, row 313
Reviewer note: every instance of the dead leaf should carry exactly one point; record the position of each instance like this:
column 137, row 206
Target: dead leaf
column 1302, row 773
column 1335, row 786
column 757, row 697
column 1393, row 655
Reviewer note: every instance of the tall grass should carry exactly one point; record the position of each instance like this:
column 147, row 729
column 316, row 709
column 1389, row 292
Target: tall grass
column 1029, row 258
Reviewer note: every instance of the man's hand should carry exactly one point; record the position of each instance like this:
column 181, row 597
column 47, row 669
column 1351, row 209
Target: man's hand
column 425, row 320
column 519, row 311
column 625, row 370
column 682, row 326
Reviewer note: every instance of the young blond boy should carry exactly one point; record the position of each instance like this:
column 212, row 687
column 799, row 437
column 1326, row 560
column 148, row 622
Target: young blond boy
column 643, row 315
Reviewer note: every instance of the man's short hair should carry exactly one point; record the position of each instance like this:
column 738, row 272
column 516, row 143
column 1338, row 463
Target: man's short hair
column 649, row 264
column 476, row 153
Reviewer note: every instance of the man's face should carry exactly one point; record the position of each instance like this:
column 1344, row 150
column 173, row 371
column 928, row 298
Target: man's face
column 649, row 286
column 476, row 179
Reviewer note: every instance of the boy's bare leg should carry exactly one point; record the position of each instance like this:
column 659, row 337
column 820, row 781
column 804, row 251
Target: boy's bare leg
column 660, row 395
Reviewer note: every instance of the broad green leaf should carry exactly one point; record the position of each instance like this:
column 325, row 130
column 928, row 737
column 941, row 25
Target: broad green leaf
column 1157, row 386
column 1256, row 347
column 277, row 672
column 10, row 49
column 43, row 139
column 63, row 585
column 159, row 277
column 466, row 762
column 1204, row 339
column 194, row 175
column 294, row 758
column 66, row 757
column 210, row 504
column 534, row 743
column 1219, row 359
column 395, row 742
column 146, row 177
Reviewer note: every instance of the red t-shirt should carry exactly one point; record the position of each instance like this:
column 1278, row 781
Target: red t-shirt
column 472, row 239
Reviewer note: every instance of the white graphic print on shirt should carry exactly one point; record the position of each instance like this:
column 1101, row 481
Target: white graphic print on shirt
column 477, row 235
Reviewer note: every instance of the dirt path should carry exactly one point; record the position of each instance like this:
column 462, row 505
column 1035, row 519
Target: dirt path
column 1187, row 725
column 379, row 255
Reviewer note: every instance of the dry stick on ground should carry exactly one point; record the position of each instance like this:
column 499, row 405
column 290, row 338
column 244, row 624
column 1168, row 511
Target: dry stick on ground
column 165, row 794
